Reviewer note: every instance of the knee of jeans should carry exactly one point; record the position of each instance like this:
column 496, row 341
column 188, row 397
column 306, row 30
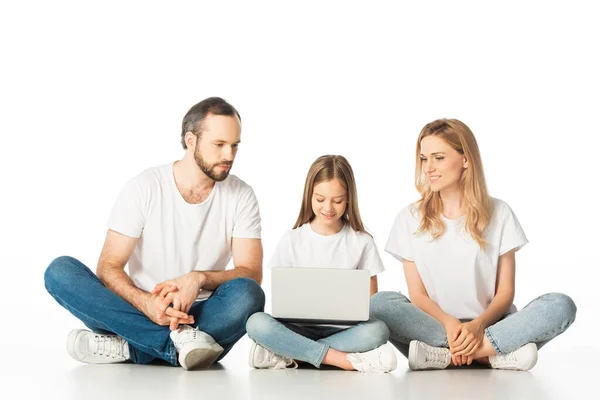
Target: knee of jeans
column 563, row 306
column 257, row 325
column 249, row 293
column 381, row 303
column 59, row 272
column 380, row 332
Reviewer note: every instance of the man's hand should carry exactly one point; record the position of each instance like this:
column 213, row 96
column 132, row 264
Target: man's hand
column 185, row 292
column 169, row 316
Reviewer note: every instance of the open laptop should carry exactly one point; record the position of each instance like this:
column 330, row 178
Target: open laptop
column 320, row 296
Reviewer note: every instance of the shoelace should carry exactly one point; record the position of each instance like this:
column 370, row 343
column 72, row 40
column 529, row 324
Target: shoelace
column 109, row 346
column 186, row 336
column 436, row 356
column 507, row 359
column 280, row 361
column 365, row 364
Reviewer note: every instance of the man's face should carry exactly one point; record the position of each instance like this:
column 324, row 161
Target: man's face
column 217, row 145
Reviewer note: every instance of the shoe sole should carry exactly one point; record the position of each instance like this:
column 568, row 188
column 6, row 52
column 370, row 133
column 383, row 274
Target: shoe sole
column 412, row 355
column 252, row 351
column 71, row 339
column 201, row 357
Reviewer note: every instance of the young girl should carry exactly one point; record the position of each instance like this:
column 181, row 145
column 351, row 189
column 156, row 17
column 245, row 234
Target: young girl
column 457, row 245
column 328, row 233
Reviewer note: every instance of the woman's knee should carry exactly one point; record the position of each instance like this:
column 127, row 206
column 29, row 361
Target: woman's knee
column 563, row 306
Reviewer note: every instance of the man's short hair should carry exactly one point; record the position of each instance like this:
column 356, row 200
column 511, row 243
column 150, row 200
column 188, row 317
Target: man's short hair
column 192, row 122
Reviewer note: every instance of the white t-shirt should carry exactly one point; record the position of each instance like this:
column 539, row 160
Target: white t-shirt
column 176, row 237
column 302, row 247
column 457, row 274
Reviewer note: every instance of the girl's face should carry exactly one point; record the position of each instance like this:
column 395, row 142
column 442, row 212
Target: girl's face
column 441, row 164
column 329, row 202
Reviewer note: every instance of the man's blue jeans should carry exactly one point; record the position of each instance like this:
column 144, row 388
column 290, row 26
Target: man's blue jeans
column 223, row 315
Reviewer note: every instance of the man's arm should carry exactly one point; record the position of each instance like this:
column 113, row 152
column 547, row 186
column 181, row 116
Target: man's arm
column 111, row 271
column 247, row 260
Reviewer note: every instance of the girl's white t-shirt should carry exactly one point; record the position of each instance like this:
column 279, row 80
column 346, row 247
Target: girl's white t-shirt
column 457, row 274
column 304, row 248
column 176, row 237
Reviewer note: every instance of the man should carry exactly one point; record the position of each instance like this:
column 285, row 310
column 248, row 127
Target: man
column 177, row 226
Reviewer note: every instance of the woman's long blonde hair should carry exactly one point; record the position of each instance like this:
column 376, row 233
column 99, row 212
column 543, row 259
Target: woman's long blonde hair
column 475, row 195
column 326, row 168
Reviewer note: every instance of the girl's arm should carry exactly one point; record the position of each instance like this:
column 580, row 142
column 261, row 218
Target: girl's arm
column 374, row 285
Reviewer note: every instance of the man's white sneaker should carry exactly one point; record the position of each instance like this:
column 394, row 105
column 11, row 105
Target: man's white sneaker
column 264, row 358
column 196, row 349
column 522, row 359
column 96, row 348
column 423, row 356
column 382, row 359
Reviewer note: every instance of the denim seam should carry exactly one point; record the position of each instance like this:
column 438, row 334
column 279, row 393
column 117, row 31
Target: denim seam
column 322, row 355
column 493, row 342
column 102, row 325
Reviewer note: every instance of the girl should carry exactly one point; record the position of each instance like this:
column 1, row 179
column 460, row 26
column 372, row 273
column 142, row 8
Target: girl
column 457, row 245
column 329, row 232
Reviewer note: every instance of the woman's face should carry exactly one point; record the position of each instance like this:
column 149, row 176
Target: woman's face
column 441, row 164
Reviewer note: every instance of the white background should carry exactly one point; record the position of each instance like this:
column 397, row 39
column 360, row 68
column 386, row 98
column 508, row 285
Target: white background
column 93, row 93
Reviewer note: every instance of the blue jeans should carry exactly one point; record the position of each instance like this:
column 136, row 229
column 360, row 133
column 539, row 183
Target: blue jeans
column 223, row 315
column 310, row 343
column 538, row 322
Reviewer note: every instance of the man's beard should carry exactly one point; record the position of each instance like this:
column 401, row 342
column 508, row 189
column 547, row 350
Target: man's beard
column 208, row 169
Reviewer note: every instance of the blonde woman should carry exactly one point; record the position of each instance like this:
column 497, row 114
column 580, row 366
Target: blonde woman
column 329, row 233
column 457, row 245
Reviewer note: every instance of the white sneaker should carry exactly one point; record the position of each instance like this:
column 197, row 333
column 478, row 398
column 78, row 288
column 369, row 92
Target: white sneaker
column 423, row 356
column 382, row 359
column 196, row 349
column 264, row 358
column 96, row 348
column 522, row 359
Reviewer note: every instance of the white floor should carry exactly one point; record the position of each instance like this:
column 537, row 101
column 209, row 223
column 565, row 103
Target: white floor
column 562, row 372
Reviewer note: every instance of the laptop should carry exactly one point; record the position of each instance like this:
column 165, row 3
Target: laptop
column 320, row 296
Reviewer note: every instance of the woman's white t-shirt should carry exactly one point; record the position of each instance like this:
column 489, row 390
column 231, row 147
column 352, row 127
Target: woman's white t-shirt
column 302, row 247
column 457, row 274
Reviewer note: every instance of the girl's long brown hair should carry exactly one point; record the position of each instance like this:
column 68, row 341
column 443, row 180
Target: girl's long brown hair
column 326, row 168
column 475, row 195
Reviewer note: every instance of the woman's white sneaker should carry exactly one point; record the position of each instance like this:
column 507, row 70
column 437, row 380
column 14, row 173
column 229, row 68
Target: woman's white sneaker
column 422, row 356
column 96, row 348
column 382, row 359
column 264, row 358
column 196, row 349
column 522, row 359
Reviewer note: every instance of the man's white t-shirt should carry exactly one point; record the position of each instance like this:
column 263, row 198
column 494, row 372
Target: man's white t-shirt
column 457, row 274
column 304, row 248
column 176, row 237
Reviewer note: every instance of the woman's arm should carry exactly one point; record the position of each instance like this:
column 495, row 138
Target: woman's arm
column 505, row 291
column 419, row 297
column 472, row 333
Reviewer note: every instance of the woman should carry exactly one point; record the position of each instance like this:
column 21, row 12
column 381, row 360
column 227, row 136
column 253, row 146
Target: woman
column 457, row 245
